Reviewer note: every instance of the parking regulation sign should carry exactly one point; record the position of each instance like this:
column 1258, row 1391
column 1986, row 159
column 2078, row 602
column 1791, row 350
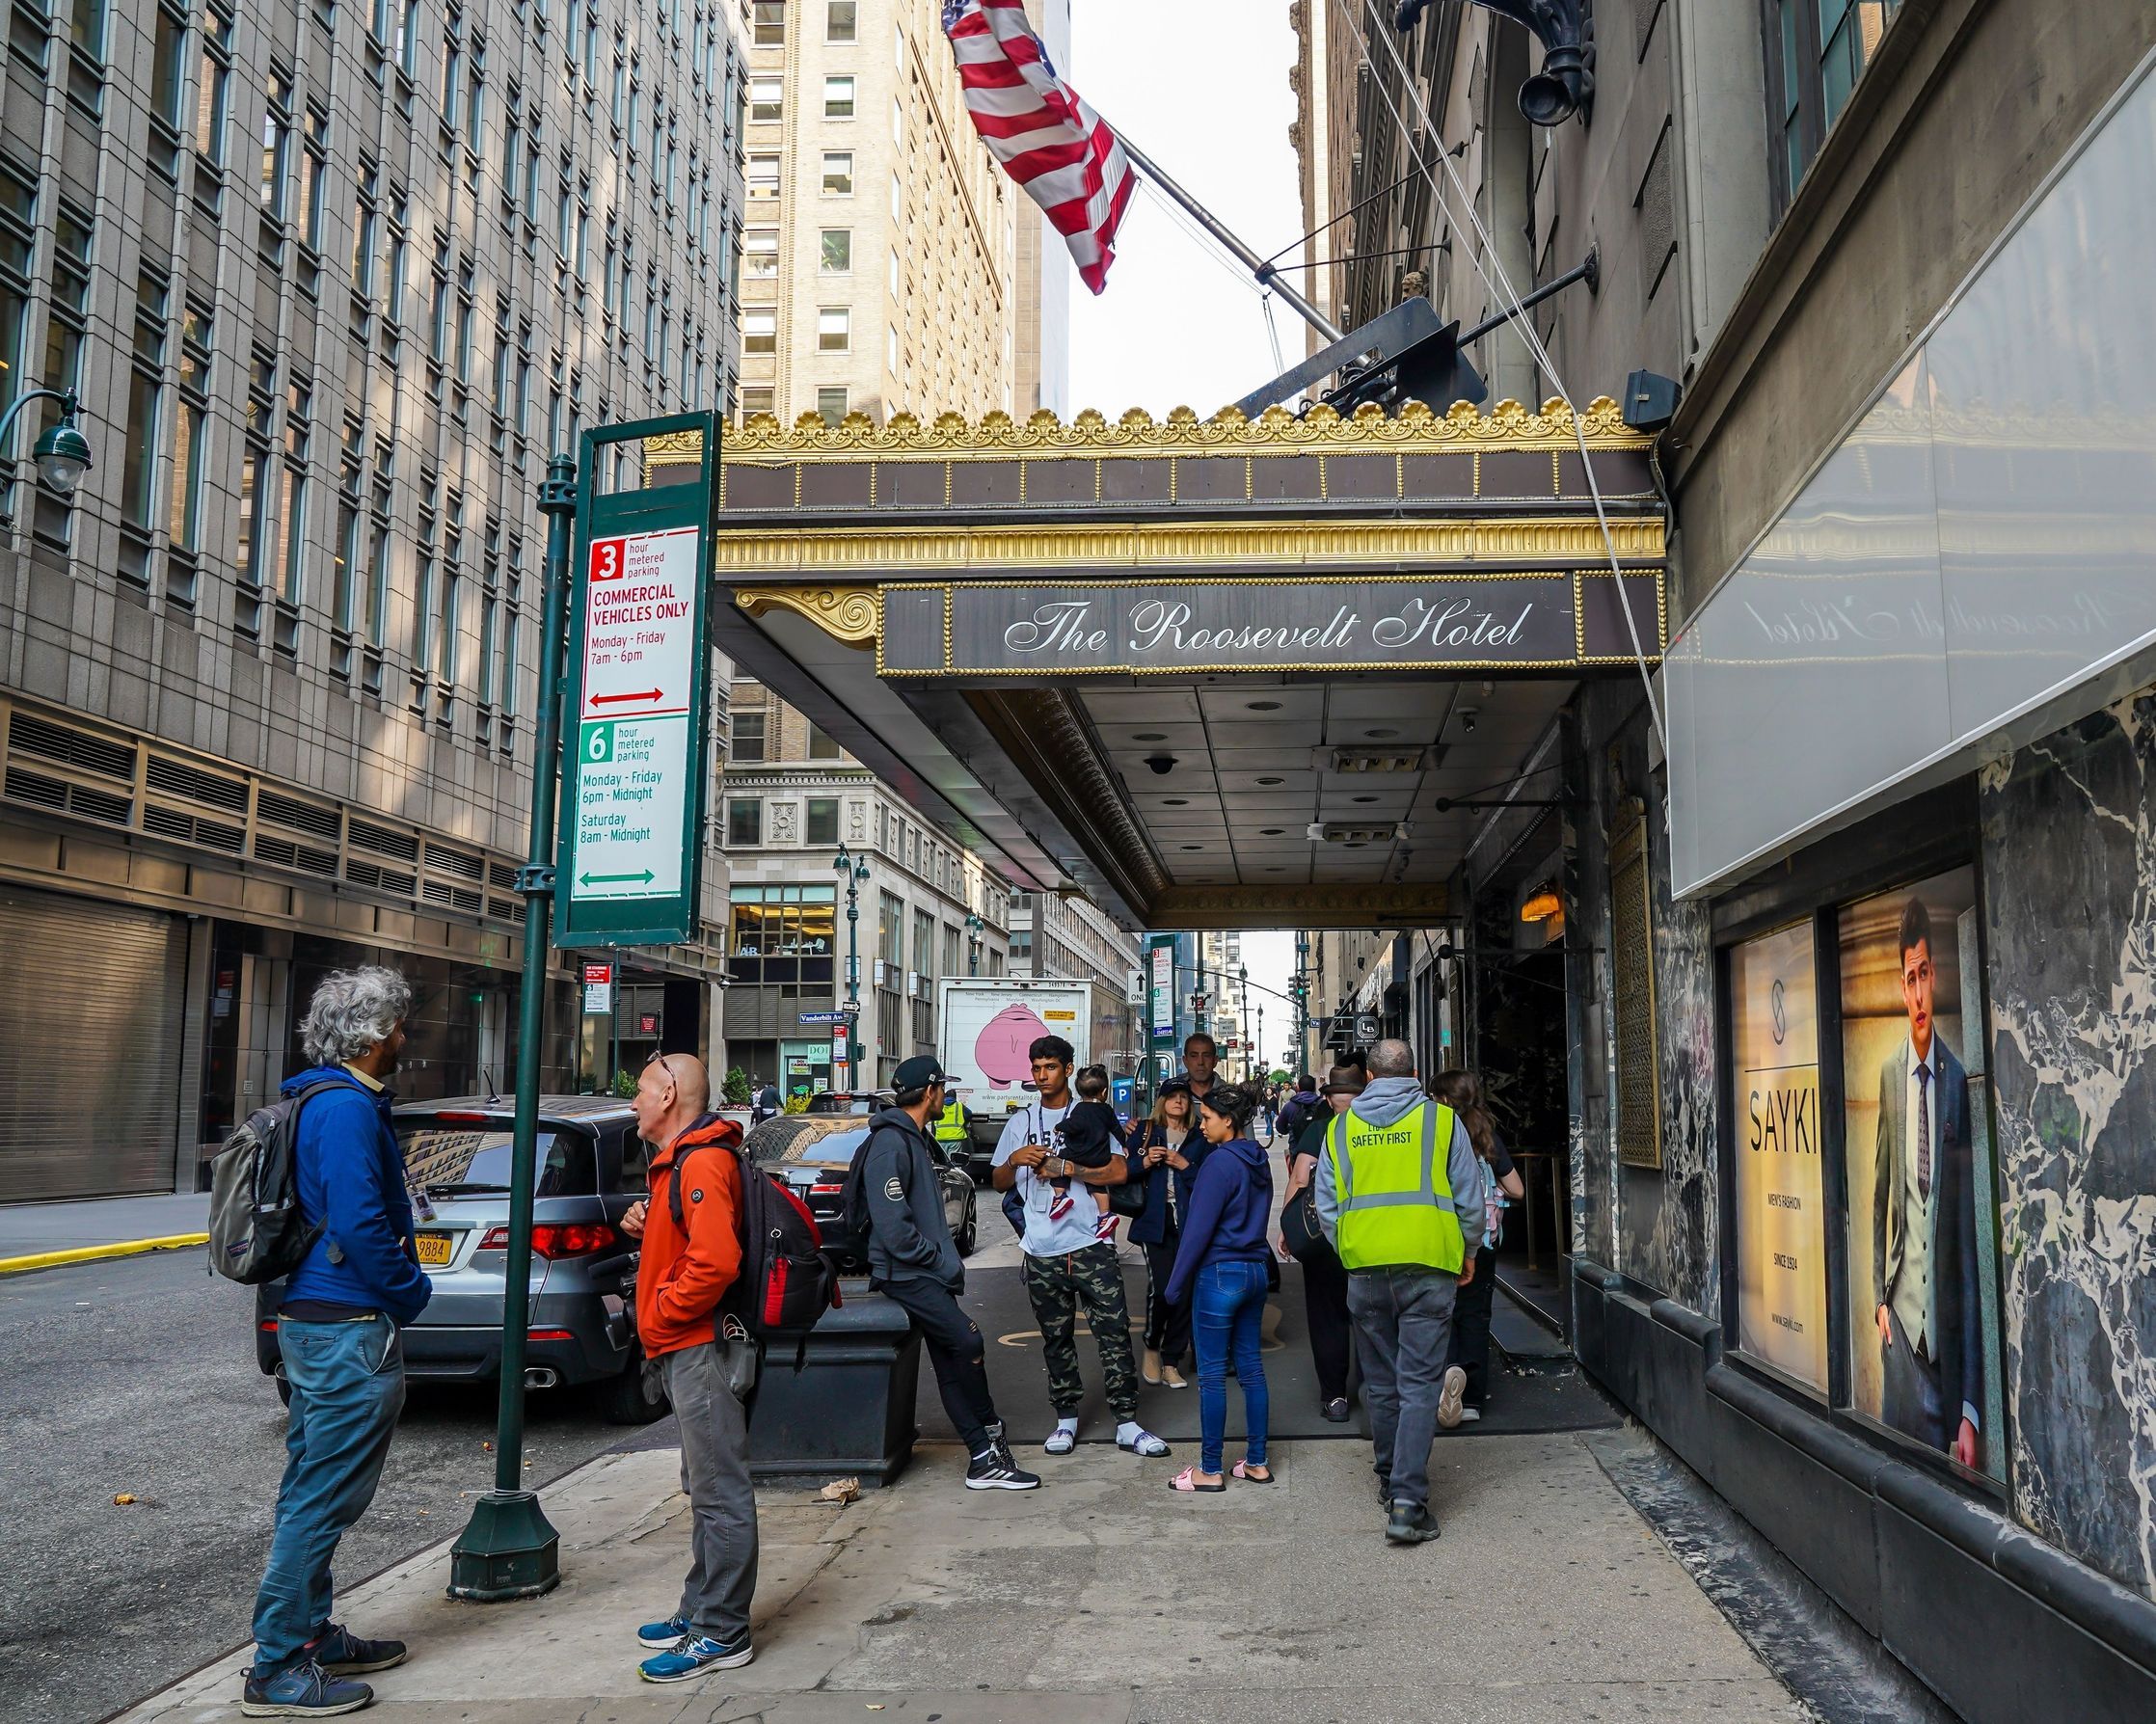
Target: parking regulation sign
column 633, row 769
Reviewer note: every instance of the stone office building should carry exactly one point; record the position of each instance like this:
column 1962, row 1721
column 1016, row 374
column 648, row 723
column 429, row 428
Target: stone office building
column 331, row 282
column 1857, row 920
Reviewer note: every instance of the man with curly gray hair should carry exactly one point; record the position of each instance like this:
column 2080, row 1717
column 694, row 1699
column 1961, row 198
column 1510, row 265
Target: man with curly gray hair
column 338, row 1330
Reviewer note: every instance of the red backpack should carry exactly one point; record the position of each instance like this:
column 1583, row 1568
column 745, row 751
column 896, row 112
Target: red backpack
column 786, row 1283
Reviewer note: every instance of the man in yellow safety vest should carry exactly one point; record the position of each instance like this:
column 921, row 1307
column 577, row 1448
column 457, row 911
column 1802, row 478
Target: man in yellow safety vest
column 951, row 1132
column 1398, row 1174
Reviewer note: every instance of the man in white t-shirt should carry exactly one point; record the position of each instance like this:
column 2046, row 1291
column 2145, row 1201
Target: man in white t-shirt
column 1068, row 1265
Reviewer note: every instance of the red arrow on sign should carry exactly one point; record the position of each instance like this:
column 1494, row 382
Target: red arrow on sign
column 646, row 694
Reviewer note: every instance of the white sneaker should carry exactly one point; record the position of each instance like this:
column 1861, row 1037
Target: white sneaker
column 1450, row 1396
column 1469, row 1414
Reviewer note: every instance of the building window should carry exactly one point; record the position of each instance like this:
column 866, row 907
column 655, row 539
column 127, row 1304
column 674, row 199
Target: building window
column 760, row 254
column 834, row 330
column 839, row 22
column 769, row 24
column 821, row 746
column 748, row 736
column 758, row 398
column 819, row 823
column 763, row 175
column 1816, row 52
column 838, row 173
column 745, row 824
column 766, row 98
column 18, row 238
column 759, row 332
column 838, row 251
column 833, row 404
column 838, row 98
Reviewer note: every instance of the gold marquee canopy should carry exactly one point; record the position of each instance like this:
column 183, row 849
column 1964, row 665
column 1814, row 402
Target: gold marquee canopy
column 984, row 612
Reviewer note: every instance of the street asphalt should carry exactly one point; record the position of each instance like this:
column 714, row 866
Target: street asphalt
column 137, row 1377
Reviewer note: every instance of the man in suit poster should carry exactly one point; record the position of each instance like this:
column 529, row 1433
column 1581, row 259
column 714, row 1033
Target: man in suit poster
column 1925, row 1310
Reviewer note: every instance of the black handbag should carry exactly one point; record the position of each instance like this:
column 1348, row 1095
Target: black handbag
column 1128, row 1199
column 1300, row 1226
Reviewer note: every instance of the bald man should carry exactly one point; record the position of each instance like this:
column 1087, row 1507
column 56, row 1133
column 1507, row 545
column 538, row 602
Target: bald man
column 691, row 1257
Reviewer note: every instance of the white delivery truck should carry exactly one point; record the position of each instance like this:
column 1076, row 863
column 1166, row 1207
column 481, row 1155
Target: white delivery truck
column 989, row 1026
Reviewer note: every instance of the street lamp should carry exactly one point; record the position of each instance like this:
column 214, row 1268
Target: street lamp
column 974, row 926
column 62, row 452
column 1263, row 1071
column 854, row 872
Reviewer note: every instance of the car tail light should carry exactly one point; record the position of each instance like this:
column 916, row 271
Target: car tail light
column 466, row 1118
column 552, row 1334
column 269, row 1324
column 557, row 1239
column 825, row 1191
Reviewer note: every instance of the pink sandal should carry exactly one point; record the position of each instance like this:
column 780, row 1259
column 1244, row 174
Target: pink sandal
column 1187, row 1481
column 1243, row 1471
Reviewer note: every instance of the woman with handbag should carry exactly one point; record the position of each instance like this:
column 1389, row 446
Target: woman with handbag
column 1325, row 1282
column 1165, row 1151
column 1462, row 1092
column 1221, row 1267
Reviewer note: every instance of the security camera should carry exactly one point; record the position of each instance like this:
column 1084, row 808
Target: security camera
column 1468, row 717
column 1161, row 764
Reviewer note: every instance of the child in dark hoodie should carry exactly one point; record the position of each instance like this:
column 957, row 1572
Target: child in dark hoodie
column 1221, row 1265
column 1085, row 1135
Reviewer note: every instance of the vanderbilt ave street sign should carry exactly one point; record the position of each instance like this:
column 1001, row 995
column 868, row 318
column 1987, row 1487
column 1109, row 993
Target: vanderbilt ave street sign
column 633, row 742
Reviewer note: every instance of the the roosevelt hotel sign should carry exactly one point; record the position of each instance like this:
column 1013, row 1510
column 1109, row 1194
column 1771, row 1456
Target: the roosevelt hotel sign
column 1053, row 628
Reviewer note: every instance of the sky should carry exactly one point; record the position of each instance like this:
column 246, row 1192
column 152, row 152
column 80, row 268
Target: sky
column 1201, row 86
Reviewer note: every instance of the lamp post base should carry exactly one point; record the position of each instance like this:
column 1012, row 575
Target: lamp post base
column 508, row 1550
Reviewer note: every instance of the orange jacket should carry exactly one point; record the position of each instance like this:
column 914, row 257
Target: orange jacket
column 686, row 1271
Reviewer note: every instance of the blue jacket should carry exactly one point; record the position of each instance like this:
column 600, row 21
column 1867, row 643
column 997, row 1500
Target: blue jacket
column 1230, row 1204
column 1152, row 1227
column 351, row 1178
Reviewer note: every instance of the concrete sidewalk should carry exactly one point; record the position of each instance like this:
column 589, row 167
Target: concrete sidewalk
column 1102, row 1596
column 40, row 1235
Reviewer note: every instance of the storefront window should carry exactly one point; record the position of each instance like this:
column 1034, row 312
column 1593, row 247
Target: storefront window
column 1780, row 1200
column 1923, row 1266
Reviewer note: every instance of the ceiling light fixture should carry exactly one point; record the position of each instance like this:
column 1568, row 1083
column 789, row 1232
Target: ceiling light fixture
column 1149, row 736
column 1272, row 781
column 1542, row 904
column 1264, row 706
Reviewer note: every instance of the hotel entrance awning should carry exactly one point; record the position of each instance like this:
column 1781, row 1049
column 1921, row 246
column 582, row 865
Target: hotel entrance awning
column 1218, row 673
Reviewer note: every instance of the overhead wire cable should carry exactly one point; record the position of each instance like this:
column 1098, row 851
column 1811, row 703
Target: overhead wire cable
column 1507, row 295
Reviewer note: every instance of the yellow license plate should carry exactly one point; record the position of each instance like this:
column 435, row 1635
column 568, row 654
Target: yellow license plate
column 435, row 1250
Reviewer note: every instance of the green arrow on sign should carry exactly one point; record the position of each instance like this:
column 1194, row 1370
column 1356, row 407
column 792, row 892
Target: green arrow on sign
column 615, row 880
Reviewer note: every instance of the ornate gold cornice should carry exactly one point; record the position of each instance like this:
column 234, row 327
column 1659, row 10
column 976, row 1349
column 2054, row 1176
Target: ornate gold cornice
column 854, row 614
column 1415, row 429
column 1309, row 545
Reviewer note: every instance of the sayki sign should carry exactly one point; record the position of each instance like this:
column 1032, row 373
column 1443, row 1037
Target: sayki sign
column 633, row 777
column 1551, row 620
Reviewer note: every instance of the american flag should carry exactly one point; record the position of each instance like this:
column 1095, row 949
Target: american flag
column 1039, row 129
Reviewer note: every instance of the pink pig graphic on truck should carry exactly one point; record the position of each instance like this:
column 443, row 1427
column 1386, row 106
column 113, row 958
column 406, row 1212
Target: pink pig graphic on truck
column 1001, row 1050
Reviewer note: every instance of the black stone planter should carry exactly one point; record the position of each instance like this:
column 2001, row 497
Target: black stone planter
column 848, row 1411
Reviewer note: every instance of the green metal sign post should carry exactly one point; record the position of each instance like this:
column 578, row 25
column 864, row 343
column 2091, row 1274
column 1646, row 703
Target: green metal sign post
column 620, row 736
column 636, row 699
column 509, row 1550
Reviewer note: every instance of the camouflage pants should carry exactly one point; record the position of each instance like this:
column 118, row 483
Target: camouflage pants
column 1058, row 1286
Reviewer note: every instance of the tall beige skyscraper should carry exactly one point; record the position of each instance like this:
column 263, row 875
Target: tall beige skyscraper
column 881, row 252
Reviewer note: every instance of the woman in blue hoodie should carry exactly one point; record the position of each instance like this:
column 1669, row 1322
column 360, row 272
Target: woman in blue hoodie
column 1221, row 1268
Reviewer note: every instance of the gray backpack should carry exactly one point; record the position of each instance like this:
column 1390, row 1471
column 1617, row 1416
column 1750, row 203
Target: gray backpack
column 256, row 1232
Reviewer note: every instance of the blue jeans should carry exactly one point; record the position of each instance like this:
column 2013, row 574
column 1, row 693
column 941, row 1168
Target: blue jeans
column 347, row 1390
column 1227, row 1308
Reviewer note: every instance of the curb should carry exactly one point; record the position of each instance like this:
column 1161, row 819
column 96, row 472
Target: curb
column 92, row 1254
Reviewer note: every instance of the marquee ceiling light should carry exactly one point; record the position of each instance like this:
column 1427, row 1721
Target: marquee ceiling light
column 1542, row 905
column 1265, row 706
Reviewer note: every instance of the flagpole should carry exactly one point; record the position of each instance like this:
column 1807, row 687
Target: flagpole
column 1267, row 275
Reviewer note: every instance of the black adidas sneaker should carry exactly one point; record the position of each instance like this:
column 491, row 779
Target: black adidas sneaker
column 999, row 1471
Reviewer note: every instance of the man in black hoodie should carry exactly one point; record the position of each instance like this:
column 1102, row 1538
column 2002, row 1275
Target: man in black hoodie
column 914, row 1263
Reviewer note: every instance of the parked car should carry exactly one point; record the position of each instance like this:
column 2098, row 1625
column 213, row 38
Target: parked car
column 811, row 1157
column 590, row 1167
column 848, row 1101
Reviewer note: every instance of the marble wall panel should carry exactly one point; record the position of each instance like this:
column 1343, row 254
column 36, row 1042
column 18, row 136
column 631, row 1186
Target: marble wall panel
column 2069, row 875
